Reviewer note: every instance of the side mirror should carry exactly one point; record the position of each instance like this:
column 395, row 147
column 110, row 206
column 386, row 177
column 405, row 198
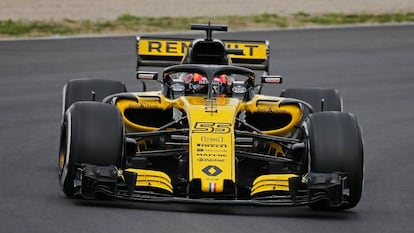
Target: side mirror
column 239, row 89
column 271, row 79
column 177, row 89
column 147, row 75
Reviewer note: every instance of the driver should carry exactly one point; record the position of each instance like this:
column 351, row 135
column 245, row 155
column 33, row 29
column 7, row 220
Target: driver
column 198, row 84
column 219, row 84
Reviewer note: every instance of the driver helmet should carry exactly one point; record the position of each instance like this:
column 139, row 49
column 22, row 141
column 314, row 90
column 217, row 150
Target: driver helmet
column 219, row 84
column 199, row 84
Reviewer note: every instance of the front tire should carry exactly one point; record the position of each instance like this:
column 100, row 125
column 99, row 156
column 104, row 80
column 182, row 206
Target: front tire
column 334, row 144
column 92, row 133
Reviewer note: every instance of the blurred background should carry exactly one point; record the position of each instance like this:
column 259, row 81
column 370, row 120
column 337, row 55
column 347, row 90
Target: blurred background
column 111, row 9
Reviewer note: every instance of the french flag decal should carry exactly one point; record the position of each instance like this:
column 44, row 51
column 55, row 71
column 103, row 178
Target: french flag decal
column 212, row 187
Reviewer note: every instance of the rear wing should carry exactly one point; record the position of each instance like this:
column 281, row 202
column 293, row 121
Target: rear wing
column 162, row 52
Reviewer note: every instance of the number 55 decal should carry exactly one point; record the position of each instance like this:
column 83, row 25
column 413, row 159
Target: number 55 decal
column 212, row 127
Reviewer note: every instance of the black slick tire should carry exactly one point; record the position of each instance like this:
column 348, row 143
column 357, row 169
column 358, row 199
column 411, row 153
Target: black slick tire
column 93, row 133
column 81, row 90
column 334, row 144
column 332, row 101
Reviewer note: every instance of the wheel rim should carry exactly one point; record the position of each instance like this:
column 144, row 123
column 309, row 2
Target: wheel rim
column 63, row 148
column 62, row 159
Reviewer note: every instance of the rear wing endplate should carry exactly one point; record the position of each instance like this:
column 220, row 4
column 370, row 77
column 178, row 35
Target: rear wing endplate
column 163, row 52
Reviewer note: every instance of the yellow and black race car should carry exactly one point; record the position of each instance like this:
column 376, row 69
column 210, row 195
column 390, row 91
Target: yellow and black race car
column 209, row 135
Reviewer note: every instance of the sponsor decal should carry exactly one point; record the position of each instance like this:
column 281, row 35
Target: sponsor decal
column 250, row 50
column 210, row 160
column 163, row 47
column 212, row 170
column 275, row 110
column 213, row 145
column 273, row 80
column 174, row 47
column 145, row 76
column 211, row 150
column 211, row 155
column 211, row 139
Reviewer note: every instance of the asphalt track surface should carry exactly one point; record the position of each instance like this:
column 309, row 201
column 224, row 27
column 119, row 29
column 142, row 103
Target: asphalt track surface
column 371, row 66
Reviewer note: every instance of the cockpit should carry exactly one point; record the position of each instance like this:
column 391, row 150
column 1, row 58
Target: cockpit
column 221, row 84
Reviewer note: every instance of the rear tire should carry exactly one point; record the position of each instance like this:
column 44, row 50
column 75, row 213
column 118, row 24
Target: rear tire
column 334, row 144
column 92, row 133
column 314, row 96
column 81, row 90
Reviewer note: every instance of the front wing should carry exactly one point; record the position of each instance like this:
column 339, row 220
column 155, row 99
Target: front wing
column 95, row 182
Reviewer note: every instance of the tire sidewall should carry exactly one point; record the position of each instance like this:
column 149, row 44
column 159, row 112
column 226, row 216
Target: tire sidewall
column 76, row 126
column 315, row 127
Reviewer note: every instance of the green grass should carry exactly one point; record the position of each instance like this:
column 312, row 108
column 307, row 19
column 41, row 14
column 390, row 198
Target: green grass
column 133, row 24
column 338, row 19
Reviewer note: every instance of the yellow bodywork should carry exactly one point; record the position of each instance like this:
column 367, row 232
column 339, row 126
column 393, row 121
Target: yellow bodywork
column 259, row 104
column 211, row 137
column 145, row 100
column 211, row 148
column 270, row 104
column 272, row 182
column 150, row 178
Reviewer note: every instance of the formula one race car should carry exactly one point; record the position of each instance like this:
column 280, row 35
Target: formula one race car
column 209, row 135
